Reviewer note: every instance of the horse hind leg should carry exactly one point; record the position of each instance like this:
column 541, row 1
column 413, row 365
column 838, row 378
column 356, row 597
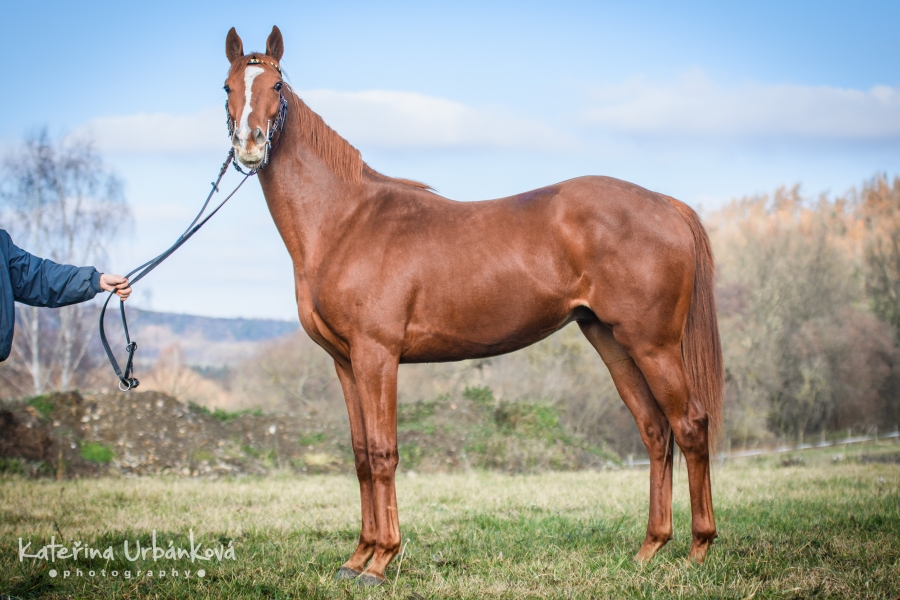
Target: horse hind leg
column 653, row 427
column 664, row 369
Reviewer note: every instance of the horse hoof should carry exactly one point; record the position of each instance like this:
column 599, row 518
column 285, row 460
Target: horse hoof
column 649, row 549
column 698, row 551
column 369, row 580
column 644, row 555
column 346, row 573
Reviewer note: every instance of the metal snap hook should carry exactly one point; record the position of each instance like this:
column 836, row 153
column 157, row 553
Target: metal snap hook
column 130, row 384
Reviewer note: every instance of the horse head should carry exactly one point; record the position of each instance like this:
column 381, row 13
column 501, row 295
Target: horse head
column 255, row 99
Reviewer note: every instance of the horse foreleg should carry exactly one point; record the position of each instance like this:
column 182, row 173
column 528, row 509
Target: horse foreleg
column 375, row 371
column 654, row 429
column 666, row 375
column 366, row 548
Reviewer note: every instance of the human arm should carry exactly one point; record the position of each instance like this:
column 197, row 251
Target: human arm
column 41, row 282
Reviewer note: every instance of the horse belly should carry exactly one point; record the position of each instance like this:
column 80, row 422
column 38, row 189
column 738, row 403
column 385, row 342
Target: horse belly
column 478, row 327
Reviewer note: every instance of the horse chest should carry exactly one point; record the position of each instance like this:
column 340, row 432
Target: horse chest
column 316, row 327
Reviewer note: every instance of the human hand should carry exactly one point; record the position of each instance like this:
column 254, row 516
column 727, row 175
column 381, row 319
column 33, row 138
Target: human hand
column 115, row 283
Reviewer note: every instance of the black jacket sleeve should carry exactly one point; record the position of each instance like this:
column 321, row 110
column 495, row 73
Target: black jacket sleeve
column 41, row 282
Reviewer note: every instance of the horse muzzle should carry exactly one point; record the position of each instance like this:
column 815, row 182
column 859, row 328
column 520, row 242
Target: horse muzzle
column 250, row 148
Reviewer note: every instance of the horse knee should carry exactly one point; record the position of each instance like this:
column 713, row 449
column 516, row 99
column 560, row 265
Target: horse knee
column 361, row 461
column 383, row 463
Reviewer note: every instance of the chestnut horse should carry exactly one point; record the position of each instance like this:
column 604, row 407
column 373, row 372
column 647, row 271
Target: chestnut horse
column 388, row 272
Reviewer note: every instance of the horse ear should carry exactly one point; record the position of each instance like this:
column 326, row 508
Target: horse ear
column 234, row 47
column 275, row 44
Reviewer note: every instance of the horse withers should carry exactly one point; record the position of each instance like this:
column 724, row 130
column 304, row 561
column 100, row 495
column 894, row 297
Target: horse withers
column 387, row 272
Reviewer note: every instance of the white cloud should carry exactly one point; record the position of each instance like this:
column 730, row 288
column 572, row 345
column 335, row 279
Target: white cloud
column 162, row 133
column 697, row 105
column 377, row 118
column 391, row 119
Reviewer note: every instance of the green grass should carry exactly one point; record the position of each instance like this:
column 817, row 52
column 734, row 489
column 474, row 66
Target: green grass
column 96, row 452
column 311, row 439
column 225, row 416
column 827, row 529
column 43, row 404
column 12, row 466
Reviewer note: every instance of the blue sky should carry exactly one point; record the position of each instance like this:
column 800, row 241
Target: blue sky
column 705, row 102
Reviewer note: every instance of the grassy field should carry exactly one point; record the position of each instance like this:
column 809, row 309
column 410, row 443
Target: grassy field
column 828, row 527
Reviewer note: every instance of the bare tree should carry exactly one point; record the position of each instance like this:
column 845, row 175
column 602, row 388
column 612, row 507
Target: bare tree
column 289, row 373
column 59, row 202
column 173, row 377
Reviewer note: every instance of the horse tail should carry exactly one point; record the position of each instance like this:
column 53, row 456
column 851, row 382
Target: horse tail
column 701, row 346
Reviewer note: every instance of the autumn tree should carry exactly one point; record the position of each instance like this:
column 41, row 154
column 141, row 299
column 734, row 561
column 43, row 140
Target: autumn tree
column 879, row 208
column 801, row 352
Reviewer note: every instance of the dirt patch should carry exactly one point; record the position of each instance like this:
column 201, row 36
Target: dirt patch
column 24, row 436
column 151, row 433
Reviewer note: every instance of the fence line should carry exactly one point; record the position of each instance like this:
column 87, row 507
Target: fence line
column 723, row 456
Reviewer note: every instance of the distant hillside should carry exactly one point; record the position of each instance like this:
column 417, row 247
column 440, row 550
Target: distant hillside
column 203, row 341
column 214, row 329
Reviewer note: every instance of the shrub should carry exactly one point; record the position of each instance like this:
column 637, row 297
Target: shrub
column 96, row 452
column 479, row 395
column 311, row 439
column 410, row 455
column 42, row 404
column 225, row 416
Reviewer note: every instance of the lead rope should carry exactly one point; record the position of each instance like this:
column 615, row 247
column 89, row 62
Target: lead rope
column 127, row 381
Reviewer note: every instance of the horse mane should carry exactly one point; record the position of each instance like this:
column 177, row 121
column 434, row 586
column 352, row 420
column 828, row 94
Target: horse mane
column 410, row 182
column 341, row 157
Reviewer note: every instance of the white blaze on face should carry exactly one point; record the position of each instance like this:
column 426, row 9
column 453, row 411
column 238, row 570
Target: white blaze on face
column 243, row 132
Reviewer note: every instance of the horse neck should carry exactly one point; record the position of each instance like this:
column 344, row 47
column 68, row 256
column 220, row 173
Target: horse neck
column 310, row 204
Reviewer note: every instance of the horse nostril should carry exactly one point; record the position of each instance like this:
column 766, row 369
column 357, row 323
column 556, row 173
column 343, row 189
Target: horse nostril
column 235, row 140
column 260, row 137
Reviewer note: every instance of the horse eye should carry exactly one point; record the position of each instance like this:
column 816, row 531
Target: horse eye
column 278, row 87
column 227, row 89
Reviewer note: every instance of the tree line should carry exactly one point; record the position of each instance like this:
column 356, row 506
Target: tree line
column 808, row 309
